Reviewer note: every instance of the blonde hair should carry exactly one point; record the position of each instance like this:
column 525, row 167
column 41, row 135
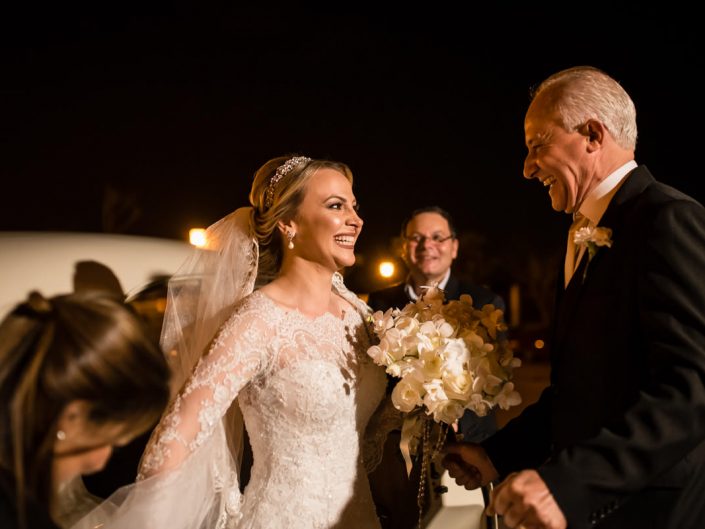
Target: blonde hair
column 288, row 193
column 583, row 92
column 85, row 346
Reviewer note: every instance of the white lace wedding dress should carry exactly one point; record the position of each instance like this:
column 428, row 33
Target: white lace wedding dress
column 307, row 390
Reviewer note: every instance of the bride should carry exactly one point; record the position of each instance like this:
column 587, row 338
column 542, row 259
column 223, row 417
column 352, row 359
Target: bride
column 290, row 356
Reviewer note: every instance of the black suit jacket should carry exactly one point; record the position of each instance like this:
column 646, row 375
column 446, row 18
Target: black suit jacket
column 472, row 427
column 616, row 433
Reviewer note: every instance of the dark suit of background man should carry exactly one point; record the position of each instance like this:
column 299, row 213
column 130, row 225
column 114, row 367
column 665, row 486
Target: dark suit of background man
column 616, row 440
column 430, row 246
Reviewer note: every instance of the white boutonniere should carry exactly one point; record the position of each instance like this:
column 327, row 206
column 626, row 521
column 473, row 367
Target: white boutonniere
column 593, row 238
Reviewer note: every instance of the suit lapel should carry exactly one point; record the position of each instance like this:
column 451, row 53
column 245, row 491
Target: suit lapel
column 614, row 218
column 452, row 290
column 400, row 298
column 639, row 179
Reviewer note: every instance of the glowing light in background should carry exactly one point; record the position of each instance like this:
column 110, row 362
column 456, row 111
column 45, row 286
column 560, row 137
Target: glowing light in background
column 539, row 344
column 386, row 269
column 197, row 237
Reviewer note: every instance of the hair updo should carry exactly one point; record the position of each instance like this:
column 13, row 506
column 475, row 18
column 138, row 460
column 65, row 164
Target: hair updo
column 287, row 195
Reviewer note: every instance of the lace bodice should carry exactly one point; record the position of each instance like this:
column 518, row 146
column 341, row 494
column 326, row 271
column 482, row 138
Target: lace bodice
column 307, row 390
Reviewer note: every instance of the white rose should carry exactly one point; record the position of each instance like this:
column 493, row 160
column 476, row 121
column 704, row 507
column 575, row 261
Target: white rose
column 448, row 412
column 458, row 386
column 407, row 394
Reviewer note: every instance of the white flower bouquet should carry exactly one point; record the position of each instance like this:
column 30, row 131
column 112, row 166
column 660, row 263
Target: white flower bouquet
column 450, row 357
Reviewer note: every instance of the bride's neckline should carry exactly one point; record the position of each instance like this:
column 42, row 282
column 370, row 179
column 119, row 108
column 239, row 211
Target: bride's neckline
column 295, row 311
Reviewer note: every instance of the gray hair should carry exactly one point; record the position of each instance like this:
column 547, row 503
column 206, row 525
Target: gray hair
column 583, row 93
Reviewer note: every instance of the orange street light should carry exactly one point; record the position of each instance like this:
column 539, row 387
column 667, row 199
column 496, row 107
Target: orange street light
column 197, row 237
column 386, row 269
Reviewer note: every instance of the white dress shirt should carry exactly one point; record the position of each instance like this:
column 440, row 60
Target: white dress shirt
column 596, row 203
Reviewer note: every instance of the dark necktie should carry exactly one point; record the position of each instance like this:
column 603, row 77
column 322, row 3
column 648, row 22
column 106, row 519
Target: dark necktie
column 572, row 252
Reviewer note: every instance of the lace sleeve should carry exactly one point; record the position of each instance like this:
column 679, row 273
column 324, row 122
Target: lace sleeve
column 237, row 355
column 385, row 420
column 187, row 477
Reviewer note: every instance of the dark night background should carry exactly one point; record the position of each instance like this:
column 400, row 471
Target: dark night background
column 151, row 120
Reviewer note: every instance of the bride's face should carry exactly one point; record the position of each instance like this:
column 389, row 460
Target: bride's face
column 327, row 224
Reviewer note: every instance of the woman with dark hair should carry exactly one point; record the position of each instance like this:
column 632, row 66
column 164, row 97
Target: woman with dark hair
column 78, row 376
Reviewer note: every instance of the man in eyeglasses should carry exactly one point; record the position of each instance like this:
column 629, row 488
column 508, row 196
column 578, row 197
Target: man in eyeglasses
column 430, row 247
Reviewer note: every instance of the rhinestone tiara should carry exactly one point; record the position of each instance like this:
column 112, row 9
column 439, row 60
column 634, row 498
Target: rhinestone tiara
column 283, row 170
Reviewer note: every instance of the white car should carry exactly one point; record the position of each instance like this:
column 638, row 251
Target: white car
column 53, row 262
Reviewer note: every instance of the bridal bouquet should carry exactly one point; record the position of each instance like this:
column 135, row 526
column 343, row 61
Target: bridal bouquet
column 450, row 357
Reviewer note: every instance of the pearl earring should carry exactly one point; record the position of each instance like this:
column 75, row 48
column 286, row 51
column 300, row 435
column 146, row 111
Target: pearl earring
column 60, row 435
column 290, row 235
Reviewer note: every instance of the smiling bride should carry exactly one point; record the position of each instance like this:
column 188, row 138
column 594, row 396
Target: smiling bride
column 285, row 355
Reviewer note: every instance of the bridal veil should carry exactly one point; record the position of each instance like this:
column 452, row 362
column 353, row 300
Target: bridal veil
column 205, row 485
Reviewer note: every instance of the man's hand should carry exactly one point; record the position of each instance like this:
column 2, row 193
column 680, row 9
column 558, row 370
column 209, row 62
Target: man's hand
column 469, row 465
column 523, row 499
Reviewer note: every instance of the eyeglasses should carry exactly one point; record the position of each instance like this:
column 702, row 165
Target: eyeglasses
column 436, row 238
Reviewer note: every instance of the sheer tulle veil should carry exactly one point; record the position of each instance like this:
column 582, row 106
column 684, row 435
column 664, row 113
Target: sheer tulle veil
column 200, row 298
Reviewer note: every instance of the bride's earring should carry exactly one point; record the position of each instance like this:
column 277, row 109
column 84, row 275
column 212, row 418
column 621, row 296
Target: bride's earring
column 60, row 435
column 290, row 235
